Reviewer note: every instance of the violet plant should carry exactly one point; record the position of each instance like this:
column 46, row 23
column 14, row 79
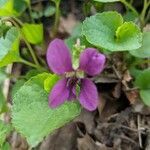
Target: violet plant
column 40, row 102
column 74, row 83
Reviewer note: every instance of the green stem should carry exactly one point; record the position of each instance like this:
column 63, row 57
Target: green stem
column 129, row 6
column 147, row 16
column 131, row 2
column 30, row 13
column 31, row 52
column 57, row 15
column 27, row 43
column 142, row 16
column 30, row 64
column 17, row 21
column 139, row 62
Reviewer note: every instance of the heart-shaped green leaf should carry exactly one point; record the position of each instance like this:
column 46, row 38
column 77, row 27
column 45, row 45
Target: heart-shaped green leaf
column 144, row 50
column 145, row 95
column 33, row 33
column 9, row 47
column 143, row 80
column 32, row 116
column 107, row 30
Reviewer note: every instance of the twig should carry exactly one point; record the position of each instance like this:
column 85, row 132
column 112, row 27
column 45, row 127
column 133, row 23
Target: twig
column 134, row 130
column 131, row 89
column 128, row 5
column 139, row 131
column 128, row 139
column 147, row 147
column 7, row 82
column 116, row 72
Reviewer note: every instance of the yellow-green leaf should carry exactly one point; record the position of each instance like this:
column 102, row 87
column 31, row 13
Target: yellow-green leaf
column 33, row 33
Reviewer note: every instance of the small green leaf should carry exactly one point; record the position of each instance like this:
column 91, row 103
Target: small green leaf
column 143, row 80
column 9, row 47
column 20, row 6
column 50, row 81
column 144, row 50
column 106, row 1
column 145, row 95
column 4, row 131
column 33, row 33
column 49, row 11
column 32, row 116
column 6, row 8
column 3, row 29
column 12, row 7
column 107, row 30
column 35, row 15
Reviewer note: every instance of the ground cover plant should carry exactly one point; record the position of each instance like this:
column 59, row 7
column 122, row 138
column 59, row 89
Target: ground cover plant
column 74, row 74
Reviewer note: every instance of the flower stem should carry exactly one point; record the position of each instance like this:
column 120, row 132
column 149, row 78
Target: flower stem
column 16, row 23
column 147, row 16
column 142, row 16
column 30, row 13
column 130, row 7
column 31, row 52
column 140, row 62
column 29, row 63
column 57, row 15
column 27, row 43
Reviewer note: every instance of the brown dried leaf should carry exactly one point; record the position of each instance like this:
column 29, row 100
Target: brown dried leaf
column 86, row 143
column 87, row 118
column 62, row 139
column 117, row 90
column 105, row 79
column 132, row 96
column 67, row 24
column 147, row 27
column 101, row 104
column 139, row 107
column 127, row 77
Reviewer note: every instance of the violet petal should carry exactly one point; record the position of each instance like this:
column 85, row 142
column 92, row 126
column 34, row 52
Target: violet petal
column 91, row 61
column 59, row 57
column 88, row 96
column 59, row 93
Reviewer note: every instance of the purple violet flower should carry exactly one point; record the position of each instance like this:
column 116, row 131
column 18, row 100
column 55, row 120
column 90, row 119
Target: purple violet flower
column 91, row 63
